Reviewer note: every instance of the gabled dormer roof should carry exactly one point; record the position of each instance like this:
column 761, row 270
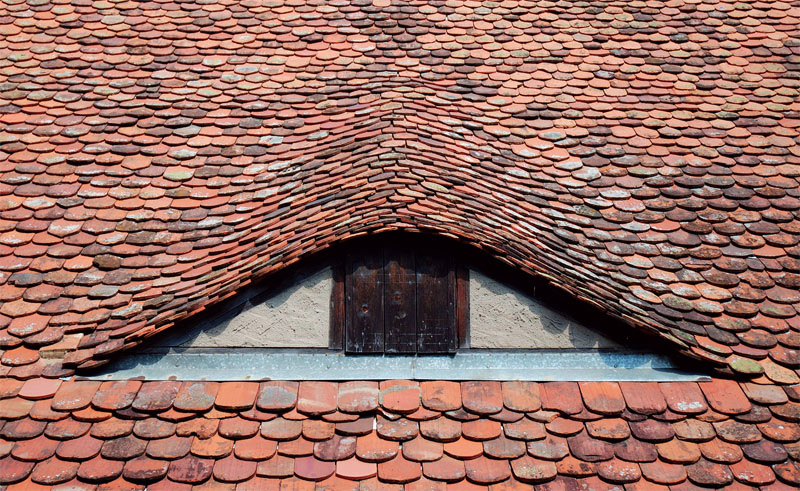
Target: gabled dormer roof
column 156, row 157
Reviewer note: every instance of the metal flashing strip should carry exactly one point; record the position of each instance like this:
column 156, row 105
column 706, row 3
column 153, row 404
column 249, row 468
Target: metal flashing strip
column 223, row 365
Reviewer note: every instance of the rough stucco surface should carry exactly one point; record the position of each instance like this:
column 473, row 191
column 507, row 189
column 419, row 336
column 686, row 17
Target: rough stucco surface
column 504, row 317
column 298, row 317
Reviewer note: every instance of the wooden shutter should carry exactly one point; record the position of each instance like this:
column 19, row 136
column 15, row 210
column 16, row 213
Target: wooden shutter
column 436, row 329
column 364, row 318
column 399, row 299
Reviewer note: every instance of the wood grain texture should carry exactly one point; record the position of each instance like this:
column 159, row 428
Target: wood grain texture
column 364, row 304
column 462, row 305
column 401, row 297
column 400, row 300
column 338, row 302
column 435, row 305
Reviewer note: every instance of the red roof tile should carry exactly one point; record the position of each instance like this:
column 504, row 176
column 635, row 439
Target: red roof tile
column 99, row 469
column 190, row 470
column 399, row 470
column 521, row 396
column 236, row 396
column 483, row 470
column 422, row 450
column 313, row 469
column 35, row 449
column 356, row 469
column 54, row 471
column 463, row 449
column 602, row 397
column 482, row 398
column 14, row 470
column 276, row 466
column 232, row 469
column 561, row 396
column 440, row 429
column 74, row 395
column 441, row 395
column 400, row 429
column 725, row 396
column 317, row 397
column 274, row 396
column 196, row 396
column 357, row 397
column 685, row 398
column 116, row 395
column 446, row 468
column 39, row 388
column 129, row 447
column 156, row 396
column 529, row 469
column 481, row 429
column 643, row 397
column 400, row 396
column 550, row 448
column 144, row 469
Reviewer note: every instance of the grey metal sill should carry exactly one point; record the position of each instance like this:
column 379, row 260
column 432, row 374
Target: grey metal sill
column 263, row 364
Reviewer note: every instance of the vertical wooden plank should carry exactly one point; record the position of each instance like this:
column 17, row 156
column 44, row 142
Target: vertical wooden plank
column 462, row 305
column 400, row 329
column 450, row 333
column 364, row 301
column 435, row 304
column 338, row 303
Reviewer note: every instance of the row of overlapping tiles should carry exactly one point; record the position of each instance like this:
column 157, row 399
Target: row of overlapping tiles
column 398, row 432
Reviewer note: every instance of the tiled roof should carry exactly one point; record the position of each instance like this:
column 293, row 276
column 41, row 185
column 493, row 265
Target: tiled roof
column 430, row 435
column 156, row 157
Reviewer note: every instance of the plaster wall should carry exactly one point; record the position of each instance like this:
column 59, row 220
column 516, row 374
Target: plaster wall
column 506, row 318
column 296, row 317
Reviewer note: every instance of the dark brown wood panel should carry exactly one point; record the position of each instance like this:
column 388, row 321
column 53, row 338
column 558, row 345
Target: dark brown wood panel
column 403, row 296
column 338, row 303
column 462, row 305
column 364, row 310
column 400, row 292
column 435, row 304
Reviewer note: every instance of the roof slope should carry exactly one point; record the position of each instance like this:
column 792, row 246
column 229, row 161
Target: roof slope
column 399, row 434
column 158, row 156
